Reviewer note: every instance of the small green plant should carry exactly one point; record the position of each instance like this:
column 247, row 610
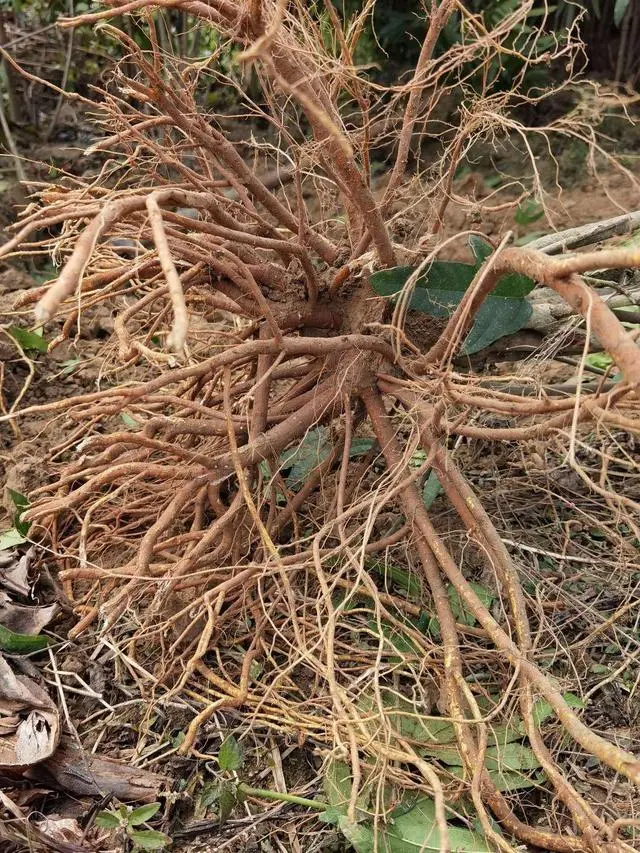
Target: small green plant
column 128, row 820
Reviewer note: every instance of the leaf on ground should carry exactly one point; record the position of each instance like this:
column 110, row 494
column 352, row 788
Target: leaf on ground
column 107, row 820
column 414, row 831
column 505, row 781
column 337, row 788
column 230, row 756
column 431, row 490
column 360, row 446
column 408, row 581
column 142, row 814
column 37, row 732
column 405, row 719
column 505, row 757
column 14, row 570
column 149, row 839
column 312, row 451
column 25, row 620
column 22, row 644
column 227, row 801
column 21, row 504
column 459, row 609
column 393, row 638
column 11, row 538
column 440, row 289
column 29, row 341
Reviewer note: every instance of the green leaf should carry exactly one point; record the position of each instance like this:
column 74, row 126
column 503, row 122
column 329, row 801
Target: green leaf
column 149, row 839
column 413, row 831
column 314, row 448
column 431, row 490
column 28, row 340
column 405, row 720
column 480, row 248
column 21, row 503
column 231, row 754
column 337, row 788
column 458, row 607
column 394, row 639
column 69, row 366
column 506, row 757
column 408, row 581
column 619, row 11
column 360, row 446
column 227, row 801
column 441, row 288
column 107, row 820
column 529, row 211
column 600, row 360
column 10, row 538
column 331, row 815
column 143, row 814
column 506, row 781
column 128, row 421
column 22, row 644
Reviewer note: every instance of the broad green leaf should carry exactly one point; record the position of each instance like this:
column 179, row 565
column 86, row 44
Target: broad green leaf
column 28, row 340
column 107, row 820
column 413, row 831
column 529, row 211
column 331, row 815
column 507, row 780
column 149, row 839
column 143, row 814
column 21, row 503
column 619, row 11
column 506, row 757
column 405, row 719
column 440, row 289
column 458, row 607
column 395, row 639
column 10, row 538
column 601, row 360
column 22, row 644
column 407, row 581
column 128, row 421
column 337, row 788
column 314, row 448
column 227, row 801
column 231, row 754
column 431, row 490
column 480, row 249
column 360, row 446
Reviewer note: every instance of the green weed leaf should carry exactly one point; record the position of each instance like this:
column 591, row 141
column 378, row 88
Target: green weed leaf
column 107, row 820
column 413, row 830
column 22, row 644
column 149, row 839
column 10, row 538
column 459, row 609
column 29, row 341
column 21, row 504
column 529, row 211
column 231, row 754
column 227, row 801
column 432, row 490
column 440, row 289
column 312, row 451
column 143, row 814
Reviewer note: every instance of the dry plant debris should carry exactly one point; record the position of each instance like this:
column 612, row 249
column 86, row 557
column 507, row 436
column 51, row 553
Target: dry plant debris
column 236, row 538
